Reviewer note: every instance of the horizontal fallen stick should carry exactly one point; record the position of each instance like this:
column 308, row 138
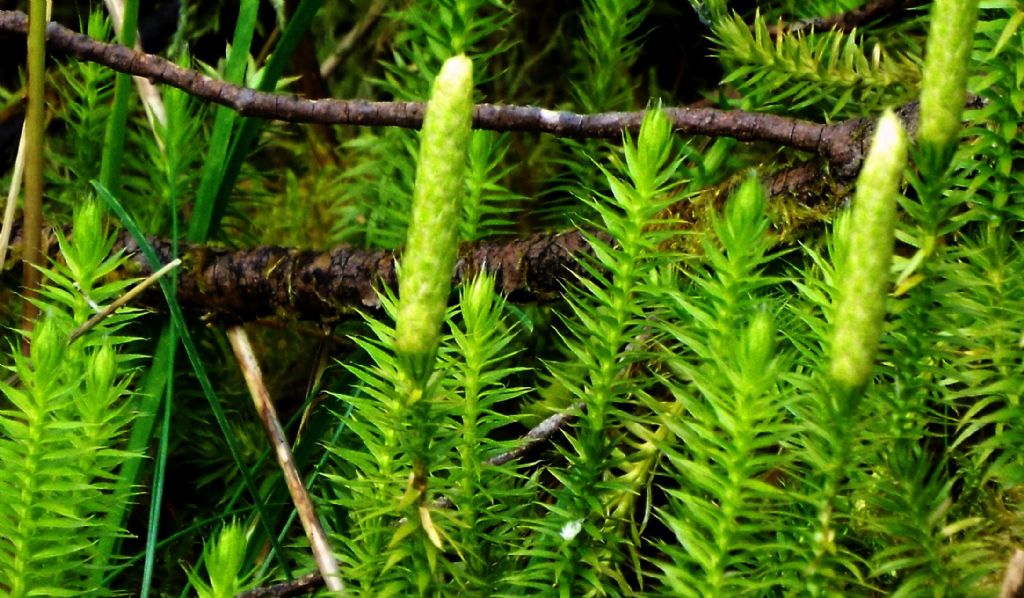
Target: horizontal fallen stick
column 232, row 286
column 229, row 286
column 841, row 143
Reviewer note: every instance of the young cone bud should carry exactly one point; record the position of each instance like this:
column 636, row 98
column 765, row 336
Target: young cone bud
column 864, row 277
column 433, row 240
column 944, row 84
column 47, row 347
column 102, row 370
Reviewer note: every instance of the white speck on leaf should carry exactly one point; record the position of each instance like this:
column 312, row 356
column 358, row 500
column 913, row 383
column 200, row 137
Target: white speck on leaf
column 571, row 529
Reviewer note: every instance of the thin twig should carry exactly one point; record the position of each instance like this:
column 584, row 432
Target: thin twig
column 1013, row 581
column 831, row 140
column 350, row 39
column 321, row 549
column 301, row 586
column 122, row 300
column 538, row 435
column 528, row 443
column 12, row 198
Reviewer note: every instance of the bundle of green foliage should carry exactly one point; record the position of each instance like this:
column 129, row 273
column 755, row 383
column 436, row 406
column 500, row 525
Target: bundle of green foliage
column 751, row 415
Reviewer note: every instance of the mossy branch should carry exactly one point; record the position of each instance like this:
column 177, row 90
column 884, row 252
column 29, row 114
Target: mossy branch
column 229, row 286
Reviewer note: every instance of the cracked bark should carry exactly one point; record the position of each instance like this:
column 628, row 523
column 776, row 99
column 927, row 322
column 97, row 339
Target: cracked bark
column 229, row 286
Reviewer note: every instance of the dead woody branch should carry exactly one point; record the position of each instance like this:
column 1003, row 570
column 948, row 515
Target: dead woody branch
column 229, row 286
column 536, row 438
column 302, row 586
column 831, row 141
column 318, row 543
column 846, row 21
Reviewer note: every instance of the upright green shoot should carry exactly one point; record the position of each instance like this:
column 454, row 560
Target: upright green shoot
column 225, row 558
column 606, row 342
column 728, row 416
column 859, row 297
column 61, row 435
column 427, row 265
column 944, row 88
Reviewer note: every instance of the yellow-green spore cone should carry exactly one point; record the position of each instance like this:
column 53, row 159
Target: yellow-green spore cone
column 944, row 83
column 864, row 277
column 428, row 260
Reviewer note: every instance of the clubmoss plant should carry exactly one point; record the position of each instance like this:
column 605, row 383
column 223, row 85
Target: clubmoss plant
column 864, row 275
column 608, row 344
column 65, row 418
column 604, row 52
column 859, row 288
column 424, row 286
column 433, row 241
column 426, row 269
column 728, row 417
column 736, row 412
column 944, row 84
column 385, row 547
column 488, row 497
column 225, row 558
column 834, row 74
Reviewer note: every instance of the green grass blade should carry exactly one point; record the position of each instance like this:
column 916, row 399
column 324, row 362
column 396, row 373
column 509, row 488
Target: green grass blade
column 130, row 562
column 164, row 376
column 250, row 128
column 116, row 132
column 159, row 474
column 178, row 318
column 152, row 386
column 213, row 171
